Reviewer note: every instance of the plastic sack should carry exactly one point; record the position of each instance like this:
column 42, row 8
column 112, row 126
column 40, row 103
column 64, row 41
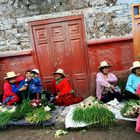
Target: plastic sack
column 69, row 123
column 138, row 125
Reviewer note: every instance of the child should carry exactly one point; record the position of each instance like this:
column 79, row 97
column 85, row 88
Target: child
column 35, row 85
column 28, row 78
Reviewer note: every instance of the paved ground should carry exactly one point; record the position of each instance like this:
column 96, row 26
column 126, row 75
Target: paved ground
column 123, row 130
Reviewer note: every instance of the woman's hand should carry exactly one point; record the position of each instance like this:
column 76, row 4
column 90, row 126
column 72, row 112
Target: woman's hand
column 112, row 87
column 23, row 88
column 56, row 97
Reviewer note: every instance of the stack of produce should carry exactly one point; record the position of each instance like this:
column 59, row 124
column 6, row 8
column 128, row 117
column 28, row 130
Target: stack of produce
column 38, row 116
column 131, row 109
column 5, row 118
column 94, row 112
column 25, row 111
column 22, row 110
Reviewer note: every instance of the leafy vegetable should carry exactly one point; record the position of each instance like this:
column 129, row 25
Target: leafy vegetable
column 131, row 109
column 97, row 114
column 22, row 110
column 60, row 132
column 5, row 118
column 38, row 116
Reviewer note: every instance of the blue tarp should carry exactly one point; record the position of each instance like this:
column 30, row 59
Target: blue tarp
column 52, row 121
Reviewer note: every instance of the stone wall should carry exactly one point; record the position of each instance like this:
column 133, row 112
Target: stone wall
column 103, row 18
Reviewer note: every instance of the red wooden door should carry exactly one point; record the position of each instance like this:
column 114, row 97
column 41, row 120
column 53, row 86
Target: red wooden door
column 136, row 30
column 60, row 43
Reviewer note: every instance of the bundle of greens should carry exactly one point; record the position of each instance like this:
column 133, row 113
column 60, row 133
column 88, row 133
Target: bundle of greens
column 22, row 110
column 96, row 114
column 38, row 116
column 52, row 106
column 131, row 109
column 5, row 118
column 25, row 111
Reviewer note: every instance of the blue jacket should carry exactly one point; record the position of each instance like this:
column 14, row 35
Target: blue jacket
column 35, row 85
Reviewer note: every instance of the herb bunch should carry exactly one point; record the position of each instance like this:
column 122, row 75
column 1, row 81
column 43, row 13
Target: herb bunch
column 131, row 109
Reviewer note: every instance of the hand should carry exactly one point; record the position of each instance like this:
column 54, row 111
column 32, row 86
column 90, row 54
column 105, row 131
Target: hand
column 112, row 87
column 23, row 88
column 56, row 97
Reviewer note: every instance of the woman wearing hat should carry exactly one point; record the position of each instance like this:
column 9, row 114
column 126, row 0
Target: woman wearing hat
column 106, row 89
column 12, row 88
column 133, row 82
column 63, row 92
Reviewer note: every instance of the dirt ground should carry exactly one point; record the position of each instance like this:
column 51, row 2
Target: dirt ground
column 122, row 131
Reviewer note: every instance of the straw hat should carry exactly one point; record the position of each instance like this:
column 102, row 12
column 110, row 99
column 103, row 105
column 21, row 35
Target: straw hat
column 36, row 71
column 60, row 71
column 104, row 64
column 136, row 64
column 10, row 75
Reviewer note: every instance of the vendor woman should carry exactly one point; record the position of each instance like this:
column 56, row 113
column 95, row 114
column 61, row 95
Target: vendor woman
column 133, row 82
column 106, row 84
column 13, row 88
column 63, row 92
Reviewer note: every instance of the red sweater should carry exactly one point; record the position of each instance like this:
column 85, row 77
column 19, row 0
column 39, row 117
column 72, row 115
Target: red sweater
column 62, row 88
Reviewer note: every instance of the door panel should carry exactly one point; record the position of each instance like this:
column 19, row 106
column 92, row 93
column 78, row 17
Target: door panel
column 58, row 45
column 79, row 69
column 43, row 52
column 61, row 44
column 136, row 30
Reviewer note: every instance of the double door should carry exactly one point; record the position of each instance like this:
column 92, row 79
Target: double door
column 60, row 43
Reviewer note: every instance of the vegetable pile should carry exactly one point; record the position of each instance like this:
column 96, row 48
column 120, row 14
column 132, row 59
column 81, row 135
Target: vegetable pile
column 131, row 109
column 94, row 112
column 25, row 111
column 5, row 118
column 38, row 116
column 22, row 110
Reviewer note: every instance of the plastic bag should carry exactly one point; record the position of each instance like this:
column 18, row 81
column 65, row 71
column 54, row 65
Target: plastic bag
column 138, row 125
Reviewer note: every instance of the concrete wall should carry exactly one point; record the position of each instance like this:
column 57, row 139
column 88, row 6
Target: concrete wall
column 117, row 51
column 103, row 18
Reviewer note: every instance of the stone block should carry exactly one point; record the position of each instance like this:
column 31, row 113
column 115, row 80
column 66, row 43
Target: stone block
column 3, row 2
column 34, row 7
column 3, row 43
column 12, row 31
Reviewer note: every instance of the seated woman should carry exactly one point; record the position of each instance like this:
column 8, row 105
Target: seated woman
column 63, row 92
column 12, row 88
column 106, row 89
column 133, row 82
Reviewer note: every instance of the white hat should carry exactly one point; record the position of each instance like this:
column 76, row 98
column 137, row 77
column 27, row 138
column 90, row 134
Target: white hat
column 60, row 71
column 104, row 64
column 136, row 64
column 10, row 75
column 36, row 71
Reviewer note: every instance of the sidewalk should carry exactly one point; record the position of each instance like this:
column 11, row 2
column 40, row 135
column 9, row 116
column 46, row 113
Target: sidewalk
column 60, row 118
